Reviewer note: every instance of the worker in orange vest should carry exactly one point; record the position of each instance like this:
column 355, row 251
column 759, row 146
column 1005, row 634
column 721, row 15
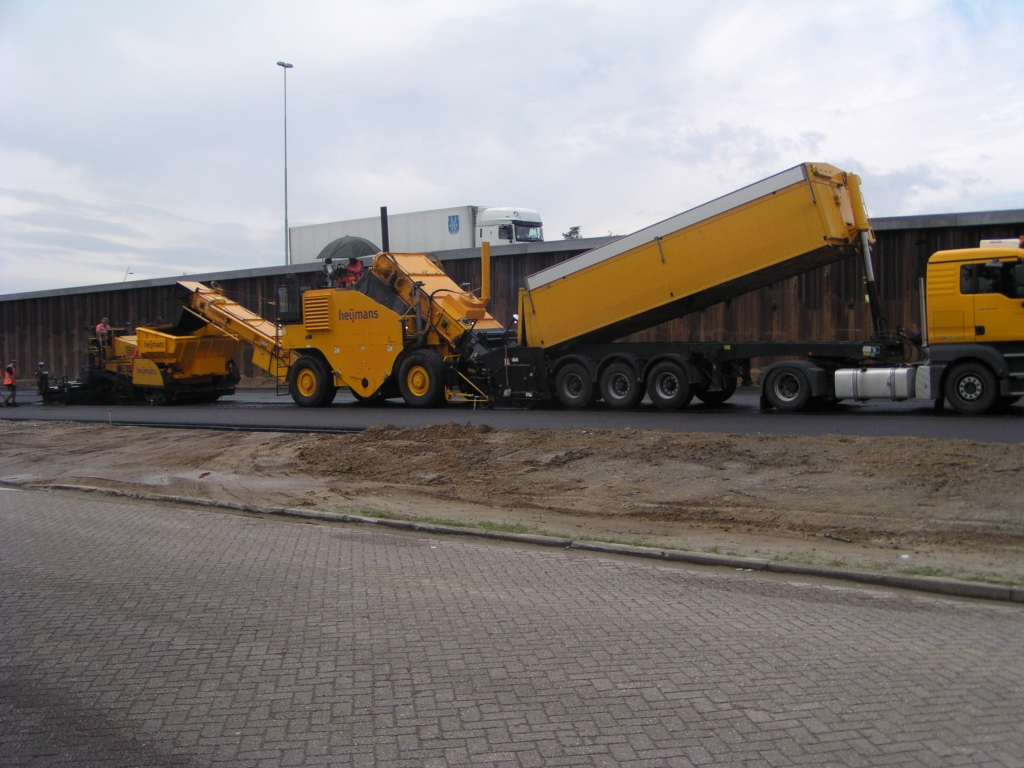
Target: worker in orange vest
column 102, row 330
column 11, row 383
column 353, row 272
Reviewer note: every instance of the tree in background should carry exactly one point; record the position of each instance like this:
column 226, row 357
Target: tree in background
column 572, row 234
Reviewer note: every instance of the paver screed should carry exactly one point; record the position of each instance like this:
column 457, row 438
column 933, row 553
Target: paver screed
column 147, row 634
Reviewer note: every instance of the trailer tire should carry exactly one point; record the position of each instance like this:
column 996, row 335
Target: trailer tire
column 668, row 387
column 619, row 386
column 309, row 383
column 719, row 396
column 788, row 389
column 421, row 379
column 573, row 386
column 971, row 389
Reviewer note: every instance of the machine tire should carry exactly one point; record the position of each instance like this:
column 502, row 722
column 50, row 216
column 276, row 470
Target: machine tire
column 668, row 387
column 376, row 397
column 573, row 386
column 309, row 383
column 332, row 392
column 719, row 396
column 421, row 379
column 619, row 386
column 971, row 388
column 788, row 389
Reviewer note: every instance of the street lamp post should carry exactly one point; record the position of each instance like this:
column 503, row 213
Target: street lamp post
column 287, row 250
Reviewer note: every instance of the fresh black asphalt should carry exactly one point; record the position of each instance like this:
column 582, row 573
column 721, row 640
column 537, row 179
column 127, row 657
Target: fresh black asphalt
column 265, row 409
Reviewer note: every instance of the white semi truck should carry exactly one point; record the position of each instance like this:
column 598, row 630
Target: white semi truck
column 443, row 229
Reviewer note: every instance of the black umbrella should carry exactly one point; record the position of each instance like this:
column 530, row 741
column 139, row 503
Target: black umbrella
column 348, row 247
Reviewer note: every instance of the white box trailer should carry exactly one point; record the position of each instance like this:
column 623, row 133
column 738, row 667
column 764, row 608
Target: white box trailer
column 442, row 229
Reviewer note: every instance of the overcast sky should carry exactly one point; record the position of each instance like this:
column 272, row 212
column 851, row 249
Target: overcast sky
column 146, row 138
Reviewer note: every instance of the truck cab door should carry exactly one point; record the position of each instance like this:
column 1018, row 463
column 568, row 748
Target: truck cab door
column 999, row 301
column 950, row 303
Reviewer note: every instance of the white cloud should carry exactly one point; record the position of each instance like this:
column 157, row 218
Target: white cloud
column 157, row 127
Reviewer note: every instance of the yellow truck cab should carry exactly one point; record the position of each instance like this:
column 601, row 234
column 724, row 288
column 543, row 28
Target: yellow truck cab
column 975, row 326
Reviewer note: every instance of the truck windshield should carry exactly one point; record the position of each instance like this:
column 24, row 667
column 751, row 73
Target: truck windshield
column 529, row 233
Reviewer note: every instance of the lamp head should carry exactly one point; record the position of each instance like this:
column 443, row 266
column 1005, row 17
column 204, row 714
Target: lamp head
column 284, row 64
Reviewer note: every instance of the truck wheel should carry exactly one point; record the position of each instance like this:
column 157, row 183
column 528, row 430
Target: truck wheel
column 573, row 385
column 309, row 383
column 971, row 388
column 421, row 379
column 668, row 387
column 619, row 387
column 719, row 396
column 787, row 389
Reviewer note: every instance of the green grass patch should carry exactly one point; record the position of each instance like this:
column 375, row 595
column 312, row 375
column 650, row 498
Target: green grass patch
column 1000, row 580
column 713, row 550
column 487, row 525
column 836, row 563
column 926, row 570
column 368, row 513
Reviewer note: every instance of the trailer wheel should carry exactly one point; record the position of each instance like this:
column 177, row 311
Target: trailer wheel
column 719, row 396
column 309, row 384
column 668, row 387
column 787, row 389
column 573, row 385
column 971, row 388
column 421, row 379
column 619, row 386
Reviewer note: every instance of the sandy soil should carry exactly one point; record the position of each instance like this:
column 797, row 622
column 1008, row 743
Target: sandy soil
column 942, row 507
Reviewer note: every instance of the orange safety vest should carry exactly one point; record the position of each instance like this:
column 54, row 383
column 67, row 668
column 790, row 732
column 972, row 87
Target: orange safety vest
column 10, row 377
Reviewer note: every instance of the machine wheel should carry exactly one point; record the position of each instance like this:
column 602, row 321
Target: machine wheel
column 421, row 379
column 787, row 389
column 619, row 387
column 309, row 383
column 719, row 396
column 376, row 397
column 332, row 392
column 971, row 388
column 573, row 385
column 668, row 387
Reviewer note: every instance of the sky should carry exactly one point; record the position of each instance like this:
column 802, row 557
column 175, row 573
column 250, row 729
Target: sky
column 142, row 140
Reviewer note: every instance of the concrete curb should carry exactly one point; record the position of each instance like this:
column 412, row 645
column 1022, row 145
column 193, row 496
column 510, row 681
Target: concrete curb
column 951, row 587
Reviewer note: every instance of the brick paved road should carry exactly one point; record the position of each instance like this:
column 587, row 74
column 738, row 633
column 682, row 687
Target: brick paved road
column 151, row 635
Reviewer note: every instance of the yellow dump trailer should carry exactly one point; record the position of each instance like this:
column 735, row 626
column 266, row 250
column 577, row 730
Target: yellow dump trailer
column 785, row 225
